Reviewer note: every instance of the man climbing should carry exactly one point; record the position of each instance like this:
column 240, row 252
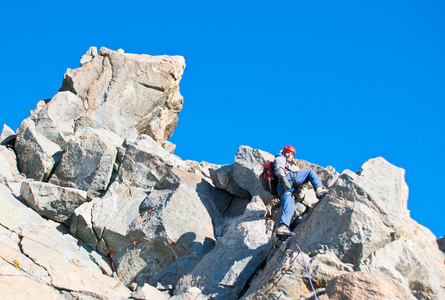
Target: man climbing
column 288, row 181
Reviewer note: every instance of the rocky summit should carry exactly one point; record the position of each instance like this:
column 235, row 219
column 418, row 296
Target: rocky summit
column 95, row 205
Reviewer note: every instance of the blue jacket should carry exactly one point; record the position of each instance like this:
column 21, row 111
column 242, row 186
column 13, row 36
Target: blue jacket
column 281, row 170
column 280, row 166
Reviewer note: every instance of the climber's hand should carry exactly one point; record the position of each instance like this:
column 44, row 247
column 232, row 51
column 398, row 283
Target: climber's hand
column 286, row 183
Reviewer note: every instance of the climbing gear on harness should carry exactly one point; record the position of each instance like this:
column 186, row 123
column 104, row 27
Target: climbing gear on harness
column 320, row 192
column 290, row 149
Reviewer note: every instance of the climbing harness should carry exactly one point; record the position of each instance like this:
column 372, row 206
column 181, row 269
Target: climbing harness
column 304, row 263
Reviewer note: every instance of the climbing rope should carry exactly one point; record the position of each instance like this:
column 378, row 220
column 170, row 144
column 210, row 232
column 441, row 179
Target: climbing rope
column 304, row 263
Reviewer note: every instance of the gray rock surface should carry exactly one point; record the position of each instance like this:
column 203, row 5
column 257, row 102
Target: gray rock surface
column 147, row 164
column 287, row 272
column 88, row 161
column 222, row 177
column 56, row 120
column 36, row 154
column 52, row 201
column 246, row 169
column 8, row 165
column 40, row 254
column 146, row 232
column 129, row 94
column 224, row 271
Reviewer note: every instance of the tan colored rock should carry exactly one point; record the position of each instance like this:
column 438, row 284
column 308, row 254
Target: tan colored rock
column 7, row 135
column 359, row 285
column 8, row 165
column 41, row 104
column 87, row 57
column 413, row 259
column 148, row 292
column 39, row 250
column 9, row 173
column 12, row 256
column 15, row 284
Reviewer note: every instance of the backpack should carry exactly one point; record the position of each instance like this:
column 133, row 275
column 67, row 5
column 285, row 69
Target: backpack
column 268, row 179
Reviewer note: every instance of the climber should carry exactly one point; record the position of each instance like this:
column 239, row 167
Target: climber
column 288, row 181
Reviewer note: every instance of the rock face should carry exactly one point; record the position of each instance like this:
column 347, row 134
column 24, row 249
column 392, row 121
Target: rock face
column 50, row 261
column 8, row 165
column 127, row 93
column 95, row 205
column 37, row 155
column 358, row 285
column 223, row 272
column 364, row 222
column 88, row 161
column 52, row 201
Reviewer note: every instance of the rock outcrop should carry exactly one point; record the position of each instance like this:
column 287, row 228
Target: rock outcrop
column 95, row 205
column 364, row 223
column 127, row 93
column 225, row 270
column 40, row 254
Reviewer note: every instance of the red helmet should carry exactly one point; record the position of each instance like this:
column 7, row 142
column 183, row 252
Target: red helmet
column 290, row 149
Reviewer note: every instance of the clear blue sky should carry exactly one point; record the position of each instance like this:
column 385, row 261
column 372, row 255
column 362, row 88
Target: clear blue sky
column 341, row 81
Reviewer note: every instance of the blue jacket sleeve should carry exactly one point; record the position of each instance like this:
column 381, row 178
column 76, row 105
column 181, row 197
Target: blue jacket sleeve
column 280, row 166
